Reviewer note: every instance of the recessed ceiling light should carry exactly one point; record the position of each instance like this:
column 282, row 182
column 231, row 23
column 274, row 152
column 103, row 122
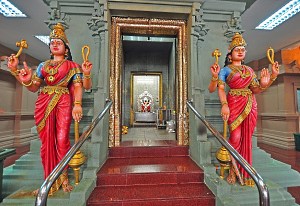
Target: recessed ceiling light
column 9, row 10
column 283, row 14
column 44, row 39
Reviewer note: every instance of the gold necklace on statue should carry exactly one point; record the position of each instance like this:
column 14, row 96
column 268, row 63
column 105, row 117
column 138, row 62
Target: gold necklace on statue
column 242, row 69
column 51, row 68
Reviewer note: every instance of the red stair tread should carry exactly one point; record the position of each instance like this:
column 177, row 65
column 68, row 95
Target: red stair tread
column 156, row 151
column 153, row 164
column 150, row 192
column 150, row 178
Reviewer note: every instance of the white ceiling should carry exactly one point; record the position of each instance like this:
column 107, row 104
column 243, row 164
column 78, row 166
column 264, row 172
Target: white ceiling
column 15, row 29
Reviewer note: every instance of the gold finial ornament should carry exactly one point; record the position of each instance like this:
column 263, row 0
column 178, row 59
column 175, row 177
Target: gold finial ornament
column 58, row 32
column 22, row 44
column 216, row 53
column 237, row 40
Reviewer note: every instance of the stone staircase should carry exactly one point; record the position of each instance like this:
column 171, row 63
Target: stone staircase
column 157, row 176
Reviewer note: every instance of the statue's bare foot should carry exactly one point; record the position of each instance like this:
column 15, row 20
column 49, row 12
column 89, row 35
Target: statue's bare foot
column 231, row 179
column 66, row 186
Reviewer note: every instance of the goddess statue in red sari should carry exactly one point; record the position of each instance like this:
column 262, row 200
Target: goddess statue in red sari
column 58, row 101
column 239, row 107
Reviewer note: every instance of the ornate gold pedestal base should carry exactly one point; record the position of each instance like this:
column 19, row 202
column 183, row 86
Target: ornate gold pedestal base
column 223, row 157
column 77, row 160
column 249, row 182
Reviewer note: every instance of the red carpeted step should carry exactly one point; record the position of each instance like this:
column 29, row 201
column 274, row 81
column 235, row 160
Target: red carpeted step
column 167, row 170
column 158, row 176
column 178, row 194
column 156, row 151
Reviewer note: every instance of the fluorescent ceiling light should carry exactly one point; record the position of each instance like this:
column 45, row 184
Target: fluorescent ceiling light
column 9, row 10
column 44, row 39
column 283, row 14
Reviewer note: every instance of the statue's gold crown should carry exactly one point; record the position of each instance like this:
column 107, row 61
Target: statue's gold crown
column 237, row 40
column 58, row 32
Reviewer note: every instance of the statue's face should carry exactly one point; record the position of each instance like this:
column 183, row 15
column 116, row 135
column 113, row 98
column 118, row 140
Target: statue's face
column 57, row 47
column 238, row 53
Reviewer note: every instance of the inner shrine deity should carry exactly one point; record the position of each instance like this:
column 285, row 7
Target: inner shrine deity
column 146, row 105
column 145, row 102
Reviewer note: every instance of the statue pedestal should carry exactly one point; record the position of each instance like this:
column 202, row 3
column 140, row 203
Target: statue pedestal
column 4, row 153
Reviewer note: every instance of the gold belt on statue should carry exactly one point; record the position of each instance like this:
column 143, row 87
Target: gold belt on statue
column 55, row 89
column 240, row 92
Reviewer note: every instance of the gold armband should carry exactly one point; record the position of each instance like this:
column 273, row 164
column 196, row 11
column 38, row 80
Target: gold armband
column 262, row 88
column 15, row 73
column 77, row 102
column 27, row 85
column 214, row 79
column 87, row 76
column 224, row 102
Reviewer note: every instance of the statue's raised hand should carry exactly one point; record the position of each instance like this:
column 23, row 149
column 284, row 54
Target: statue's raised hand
column 13, row 62
column 275, row 69
column 25, row 74
column 86, row 67
column 215, row 69
column 264, row 78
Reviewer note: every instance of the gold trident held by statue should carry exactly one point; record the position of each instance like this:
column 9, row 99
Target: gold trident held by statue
column 216, row 53
column 22, row 44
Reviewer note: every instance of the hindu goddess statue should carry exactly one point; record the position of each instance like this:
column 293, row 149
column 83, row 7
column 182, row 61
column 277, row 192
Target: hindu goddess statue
column 238, row 106
column 60, row 82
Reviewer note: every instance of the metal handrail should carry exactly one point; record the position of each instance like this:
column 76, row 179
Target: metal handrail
column 41, row 198
column 264, row 198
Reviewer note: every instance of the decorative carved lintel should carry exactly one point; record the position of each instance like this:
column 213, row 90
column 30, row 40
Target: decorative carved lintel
column 56, row 16
column 97, row 23
column 233, row 26
column 199, row 26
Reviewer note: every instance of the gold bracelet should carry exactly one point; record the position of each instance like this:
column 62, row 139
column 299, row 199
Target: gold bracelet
column 214, row 79
column 77, row 102
column 262, row 88
column 273, row 79
column 27, row 85
column 87, row 76
column 224, row 102
column 15, row 73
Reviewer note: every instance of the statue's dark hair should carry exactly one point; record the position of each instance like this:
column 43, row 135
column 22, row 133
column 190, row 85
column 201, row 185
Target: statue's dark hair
column 227, row 60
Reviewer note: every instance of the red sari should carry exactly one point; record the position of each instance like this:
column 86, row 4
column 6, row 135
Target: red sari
column 53, row 111
column 243, row 112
